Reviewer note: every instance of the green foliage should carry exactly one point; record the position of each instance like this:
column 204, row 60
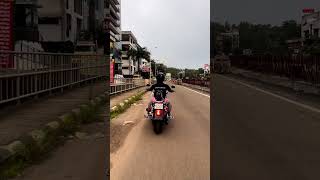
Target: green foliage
column 259, row 37
column 174, row 72
column 140, row 53
column 121, row 109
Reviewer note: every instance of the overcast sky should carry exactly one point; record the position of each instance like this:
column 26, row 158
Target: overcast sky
column 260, row 11
column 180, row 29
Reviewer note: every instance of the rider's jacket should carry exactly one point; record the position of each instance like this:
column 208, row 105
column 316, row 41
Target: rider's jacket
column 160, row 87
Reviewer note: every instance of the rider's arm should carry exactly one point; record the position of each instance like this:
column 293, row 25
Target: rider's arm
column 151, row 88
column 169, row 88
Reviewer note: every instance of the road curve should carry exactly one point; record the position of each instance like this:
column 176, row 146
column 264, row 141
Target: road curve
column 181, row 152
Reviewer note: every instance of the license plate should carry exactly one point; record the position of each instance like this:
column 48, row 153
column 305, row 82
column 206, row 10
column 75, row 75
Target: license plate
column 158, row 106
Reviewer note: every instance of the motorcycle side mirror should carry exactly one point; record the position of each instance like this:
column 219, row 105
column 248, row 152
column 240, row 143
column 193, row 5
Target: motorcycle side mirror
column 173, row 87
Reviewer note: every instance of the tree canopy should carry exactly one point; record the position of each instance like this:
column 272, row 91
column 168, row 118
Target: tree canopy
column 259, row 37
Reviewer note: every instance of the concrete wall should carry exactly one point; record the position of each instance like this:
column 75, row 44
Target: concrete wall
column 50, row 8
column 58, row 8
column 51, row 32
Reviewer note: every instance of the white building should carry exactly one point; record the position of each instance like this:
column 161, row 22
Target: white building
column 310, row 25
column 61, row 20
column 128, row 41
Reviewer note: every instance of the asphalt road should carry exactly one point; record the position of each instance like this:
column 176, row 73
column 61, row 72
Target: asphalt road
column 260, row 135
column 181, row 152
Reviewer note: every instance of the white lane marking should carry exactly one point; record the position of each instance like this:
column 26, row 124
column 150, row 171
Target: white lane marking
column 197, row 92
column 275, row 95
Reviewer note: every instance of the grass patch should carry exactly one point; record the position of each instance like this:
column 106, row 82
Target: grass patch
column 122, row 109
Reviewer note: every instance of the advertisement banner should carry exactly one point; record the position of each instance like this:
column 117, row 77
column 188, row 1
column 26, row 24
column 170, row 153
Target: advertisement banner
column 112, row 71
column 145, row 69
column 206, row 67
column 6, row 32
column 308, row 10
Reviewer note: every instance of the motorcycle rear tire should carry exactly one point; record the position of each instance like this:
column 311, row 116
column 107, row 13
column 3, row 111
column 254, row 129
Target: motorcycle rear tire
column 157, row 127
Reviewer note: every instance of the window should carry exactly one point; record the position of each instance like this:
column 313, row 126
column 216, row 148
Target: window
column 106, row 4
column 306, row 34
column 125, row 67
column 68, row 29
column 49, row 20
column 125, row 47
column 78, row 6
column 67, row 4
column 20, row 14
column 125, row 37
column 316, row 32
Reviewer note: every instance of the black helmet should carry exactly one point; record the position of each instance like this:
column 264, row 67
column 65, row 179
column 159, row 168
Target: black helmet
column 160, row 77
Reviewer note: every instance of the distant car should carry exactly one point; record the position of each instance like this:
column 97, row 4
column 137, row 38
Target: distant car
column 179, row 81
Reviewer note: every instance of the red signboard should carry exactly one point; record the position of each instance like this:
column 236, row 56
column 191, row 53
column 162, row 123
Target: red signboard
column 145, row 69
column 206, row 67
column 308, row 10
column 6, row 32
column 111, row 71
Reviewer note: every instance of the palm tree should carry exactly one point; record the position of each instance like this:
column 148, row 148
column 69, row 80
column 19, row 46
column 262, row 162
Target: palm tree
column 132, row 53
column 142, row 53
column 138, row 54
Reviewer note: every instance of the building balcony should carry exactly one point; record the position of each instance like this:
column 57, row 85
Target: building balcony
column 112, row 20
column 115, row 14
column 114, row 6
column 115, row 2
column 110, row 27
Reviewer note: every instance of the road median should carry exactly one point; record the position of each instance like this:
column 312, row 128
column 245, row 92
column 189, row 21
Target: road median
column 123, row 106
column 283, row 82
column 196, row 87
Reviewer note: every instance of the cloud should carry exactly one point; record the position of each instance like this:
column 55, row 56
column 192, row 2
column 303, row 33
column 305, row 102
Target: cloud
column 180, row 29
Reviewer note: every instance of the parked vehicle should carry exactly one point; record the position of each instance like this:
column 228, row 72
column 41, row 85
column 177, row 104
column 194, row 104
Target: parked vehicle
column 179, row 81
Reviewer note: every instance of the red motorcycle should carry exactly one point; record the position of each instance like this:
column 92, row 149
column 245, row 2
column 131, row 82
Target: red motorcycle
column 159, row 112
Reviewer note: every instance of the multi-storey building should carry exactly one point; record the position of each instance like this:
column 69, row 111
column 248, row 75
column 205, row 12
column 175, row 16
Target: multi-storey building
column 112, row 11
column 61, row 20
column 310, row 25
column 128, row 41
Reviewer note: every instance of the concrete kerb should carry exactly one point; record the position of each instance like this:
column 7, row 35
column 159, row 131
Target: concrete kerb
column 38, row 141
column 126, row 103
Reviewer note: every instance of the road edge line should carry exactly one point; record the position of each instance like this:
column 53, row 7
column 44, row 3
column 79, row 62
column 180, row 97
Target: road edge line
column 275, row 95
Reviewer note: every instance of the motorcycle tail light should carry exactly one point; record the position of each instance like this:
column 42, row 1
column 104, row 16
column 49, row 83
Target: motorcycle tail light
column 158, row 112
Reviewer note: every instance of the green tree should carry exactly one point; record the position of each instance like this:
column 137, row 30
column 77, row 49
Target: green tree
column 200, row 71
column 138, row 54
column 174, row 72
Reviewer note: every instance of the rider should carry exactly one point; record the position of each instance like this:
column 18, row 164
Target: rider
column 162, row 87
